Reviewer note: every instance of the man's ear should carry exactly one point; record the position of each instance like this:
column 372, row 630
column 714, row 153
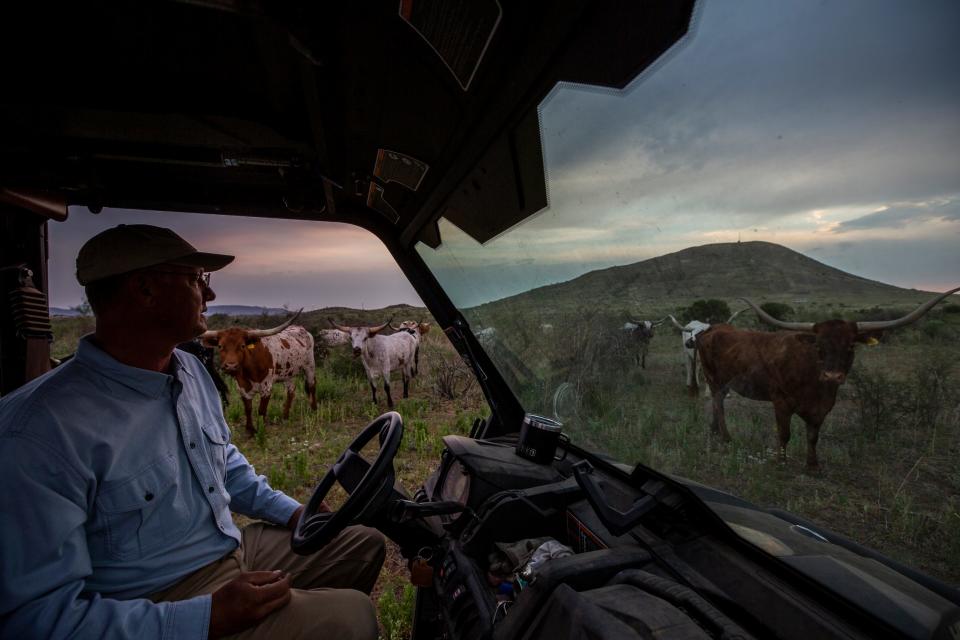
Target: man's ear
column 869, row 338
column 806, row 338
column 141, row 287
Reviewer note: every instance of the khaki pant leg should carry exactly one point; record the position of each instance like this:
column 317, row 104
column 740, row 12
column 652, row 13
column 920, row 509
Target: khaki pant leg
column 352, row 560
column 204, row 580
column 341, row 614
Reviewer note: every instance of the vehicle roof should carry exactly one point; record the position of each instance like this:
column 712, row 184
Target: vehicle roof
column 280, row 109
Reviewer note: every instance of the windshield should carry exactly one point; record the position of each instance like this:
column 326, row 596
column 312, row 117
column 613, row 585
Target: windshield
column 803, row 156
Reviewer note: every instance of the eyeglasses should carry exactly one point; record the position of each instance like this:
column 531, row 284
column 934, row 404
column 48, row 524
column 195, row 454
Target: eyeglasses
column 202, row 281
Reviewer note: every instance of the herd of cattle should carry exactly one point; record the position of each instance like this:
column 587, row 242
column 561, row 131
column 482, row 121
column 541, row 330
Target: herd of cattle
column 798, row 368
column 260, row 358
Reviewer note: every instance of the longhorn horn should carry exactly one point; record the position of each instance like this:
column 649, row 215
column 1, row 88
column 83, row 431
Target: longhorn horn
column 675, row 323
column 734, row 315
column 395, row 328
column 375, row 330
column 660, row 321
column 209, row 334
column 263, row 333
column 769, row 319
column 916, row 314
column 338, row 326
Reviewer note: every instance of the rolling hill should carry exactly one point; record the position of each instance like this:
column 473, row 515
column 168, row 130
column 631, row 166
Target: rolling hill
column 760, row 270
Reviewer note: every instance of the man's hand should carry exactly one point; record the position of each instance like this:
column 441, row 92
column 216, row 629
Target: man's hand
column 246, row 600
column 295, row 518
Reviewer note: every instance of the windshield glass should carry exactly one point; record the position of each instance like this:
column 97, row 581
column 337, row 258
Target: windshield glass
column 803, row 156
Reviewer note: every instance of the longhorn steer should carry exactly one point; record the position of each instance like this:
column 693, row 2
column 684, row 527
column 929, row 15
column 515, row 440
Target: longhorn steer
column 259, row 357
column 417, row 330
column 688, row 345
column 327, row 338
column 641, row 331
column 333, row 337
column 799, row 370
column 380, row 355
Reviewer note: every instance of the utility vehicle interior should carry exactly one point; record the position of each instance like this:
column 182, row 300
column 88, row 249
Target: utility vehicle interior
column 393, row 116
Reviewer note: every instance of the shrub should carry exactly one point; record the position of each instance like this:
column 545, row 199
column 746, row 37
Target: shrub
column 932, row 388
column 450, row 377
column 778, row 310
column 953, row 307
column 877, row 396
column 709, row 311
column 936, row 330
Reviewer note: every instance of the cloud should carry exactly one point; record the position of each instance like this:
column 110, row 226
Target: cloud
column 769, row 110
column 901, row 215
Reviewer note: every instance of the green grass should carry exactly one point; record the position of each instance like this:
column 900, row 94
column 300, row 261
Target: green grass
column 890, row 449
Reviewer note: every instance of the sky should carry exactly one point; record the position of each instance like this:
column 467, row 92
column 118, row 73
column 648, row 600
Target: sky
column 830, row 127
column 278, row 262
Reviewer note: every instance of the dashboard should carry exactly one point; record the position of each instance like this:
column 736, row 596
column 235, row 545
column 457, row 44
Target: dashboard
column 637, row 554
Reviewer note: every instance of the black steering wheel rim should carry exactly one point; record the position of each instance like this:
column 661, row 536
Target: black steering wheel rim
column 368, row 484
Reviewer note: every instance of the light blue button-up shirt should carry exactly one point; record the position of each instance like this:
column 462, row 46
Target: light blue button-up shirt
column 115, row 483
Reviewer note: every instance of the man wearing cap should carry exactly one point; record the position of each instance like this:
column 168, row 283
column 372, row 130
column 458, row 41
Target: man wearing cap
column 117, row 478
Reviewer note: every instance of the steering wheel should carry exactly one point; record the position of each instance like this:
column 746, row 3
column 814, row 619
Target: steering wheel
column 369, row 486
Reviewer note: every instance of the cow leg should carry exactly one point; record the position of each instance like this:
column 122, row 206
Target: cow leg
column 291, row 392
column 248, row 411
column 783, row 414
column 406, row 384
column 813, row 434
column 262, row 411
column 689, row 368
column 386, row 390
column 416, row 361
column 718, row 423
column 310, row 382
column 373, row 389
column 643, row 359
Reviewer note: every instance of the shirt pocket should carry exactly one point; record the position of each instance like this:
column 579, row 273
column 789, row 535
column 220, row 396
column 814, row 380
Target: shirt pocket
column 143, row 513
column 216, row 439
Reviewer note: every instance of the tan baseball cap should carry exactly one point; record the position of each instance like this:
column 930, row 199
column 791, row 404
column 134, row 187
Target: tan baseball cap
column 128, row 247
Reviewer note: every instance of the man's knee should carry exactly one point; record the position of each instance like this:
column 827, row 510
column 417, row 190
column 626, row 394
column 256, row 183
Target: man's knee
column 376, row 544
column 370, row 548
column 358, row 618
column 327, row 613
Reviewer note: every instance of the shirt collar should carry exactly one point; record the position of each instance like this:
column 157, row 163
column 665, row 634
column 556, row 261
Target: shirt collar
column 143, row 381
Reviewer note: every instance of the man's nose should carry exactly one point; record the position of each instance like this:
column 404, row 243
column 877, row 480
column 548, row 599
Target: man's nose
column 209, row 294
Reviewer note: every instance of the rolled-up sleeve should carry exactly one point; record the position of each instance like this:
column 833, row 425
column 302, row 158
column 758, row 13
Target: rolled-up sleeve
column 252, row 495
column 44, row 559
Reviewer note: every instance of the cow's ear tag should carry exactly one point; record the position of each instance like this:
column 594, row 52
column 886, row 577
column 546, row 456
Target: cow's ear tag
column 251, row 346
column 872, row 342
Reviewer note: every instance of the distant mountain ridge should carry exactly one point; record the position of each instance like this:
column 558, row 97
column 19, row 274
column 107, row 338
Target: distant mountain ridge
column 246, row 310
column 761, row 270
